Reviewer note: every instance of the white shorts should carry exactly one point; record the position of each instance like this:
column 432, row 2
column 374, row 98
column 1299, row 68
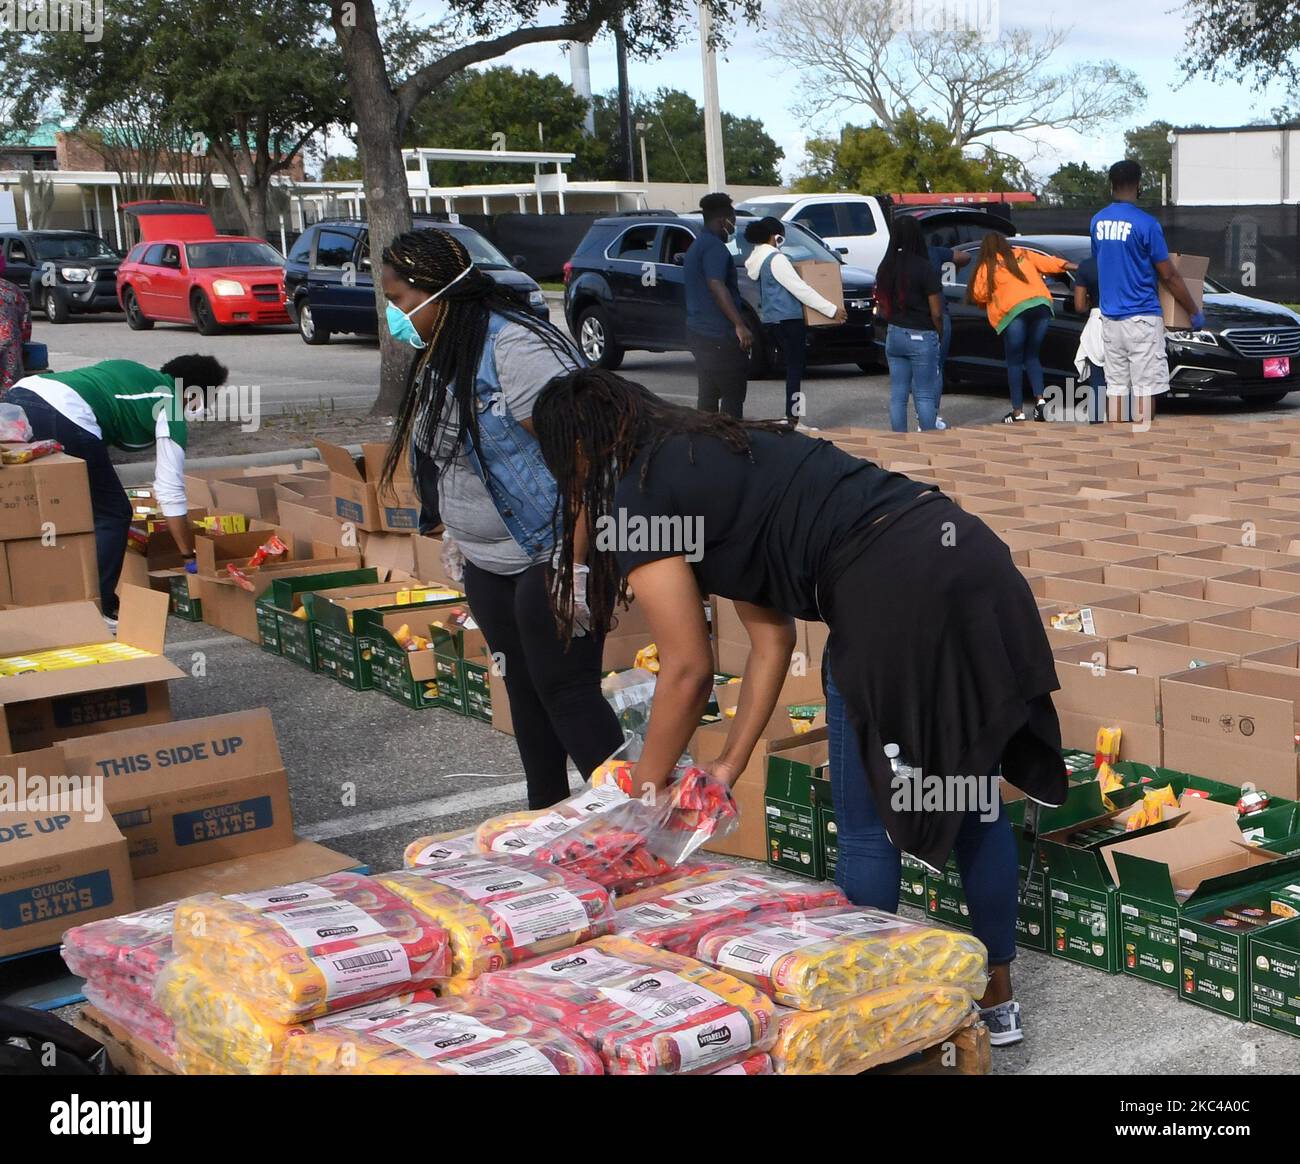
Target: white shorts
column 1135, row 355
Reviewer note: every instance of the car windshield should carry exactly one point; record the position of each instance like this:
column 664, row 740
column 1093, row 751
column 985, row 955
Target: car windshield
column 481, row 252
column 799, row 245
column 76, row 246
column 233, row 254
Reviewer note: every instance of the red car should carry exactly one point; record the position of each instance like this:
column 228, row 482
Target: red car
column 183, row 271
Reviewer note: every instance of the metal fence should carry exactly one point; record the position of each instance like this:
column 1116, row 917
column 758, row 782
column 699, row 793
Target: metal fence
column 1252, row 249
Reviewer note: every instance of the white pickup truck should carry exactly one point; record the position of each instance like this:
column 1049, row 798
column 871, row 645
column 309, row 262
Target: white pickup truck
column 857, row 225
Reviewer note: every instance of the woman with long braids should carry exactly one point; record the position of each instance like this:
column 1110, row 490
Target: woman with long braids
column 939, row 672
column 482, row 361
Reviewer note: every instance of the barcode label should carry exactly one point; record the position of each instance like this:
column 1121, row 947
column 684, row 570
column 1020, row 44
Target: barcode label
column 333, row 921
column 378, row 964
column 513, row 1058
column 282, row 895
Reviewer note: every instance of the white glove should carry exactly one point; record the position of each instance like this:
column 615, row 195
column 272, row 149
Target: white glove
column 581, row 611
column 453, row 561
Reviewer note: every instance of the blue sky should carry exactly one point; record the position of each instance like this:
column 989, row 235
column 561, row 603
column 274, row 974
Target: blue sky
column 1143, row 35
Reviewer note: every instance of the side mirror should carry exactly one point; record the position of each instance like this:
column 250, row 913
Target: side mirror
column 365, row 263
column 517, row 261
column 679, row 259
column 841, row 250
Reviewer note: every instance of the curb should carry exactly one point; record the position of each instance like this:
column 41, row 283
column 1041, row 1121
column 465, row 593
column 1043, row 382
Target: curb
column 141, row 472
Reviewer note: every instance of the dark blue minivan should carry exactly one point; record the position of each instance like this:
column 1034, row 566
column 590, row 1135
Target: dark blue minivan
column 329, row 284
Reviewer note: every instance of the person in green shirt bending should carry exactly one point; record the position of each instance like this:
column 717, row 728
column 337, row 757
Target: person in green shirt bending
column 129, row 406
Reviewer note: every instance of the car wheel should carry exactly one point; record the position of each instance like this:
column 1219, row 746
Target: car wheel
column 1264, row 399
column 596, row 338
column 307, row 327
column 136, row 319
column 202, row 314
column 54, row 306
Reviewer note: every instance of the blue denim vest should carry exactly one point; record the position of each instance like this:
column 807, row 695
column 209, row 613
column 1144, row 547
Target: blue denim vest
column 511, row 467
column 775, row 302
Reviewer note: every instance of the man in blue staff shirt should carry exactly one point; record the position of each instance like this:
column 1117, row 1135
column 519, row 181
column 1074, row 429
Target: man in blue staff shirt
column 715, row 329
column 1132, row 259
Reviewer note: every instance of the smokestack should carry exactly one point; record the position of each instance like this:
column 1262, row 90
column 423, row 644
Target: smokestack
column 580, row 69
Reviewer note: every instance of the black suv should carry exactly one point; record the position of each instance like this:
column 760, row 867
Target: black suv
column 63, row 272
column 329, row 285
column 613, row 305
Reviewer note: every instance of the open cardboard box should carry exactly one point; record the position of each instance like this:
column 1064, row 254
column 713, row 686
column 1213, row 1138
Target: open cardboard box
column 1095, row 692
column 1161, row 875
column 38, row 709
column 361, row 499
column 1103, row 622
column 232, row 608
column 1241, row 721
column 284, row 617
column 193, row 791
column 1182, row 645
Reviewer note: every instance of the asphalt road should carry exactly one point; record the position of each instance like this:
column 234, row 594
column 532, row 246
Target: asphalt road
column 416, row 773
column 344, row 374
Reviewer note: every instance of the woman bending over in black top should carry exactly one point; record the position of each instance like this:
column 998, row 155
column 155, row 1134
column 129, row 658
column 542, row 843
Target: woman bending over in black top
column 938, row 671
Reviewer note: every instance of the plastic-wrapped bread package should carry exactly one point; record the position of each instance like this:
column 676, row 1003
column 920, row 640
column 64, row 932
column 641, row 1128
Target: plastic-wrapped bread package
column 439, row 848
column 682, row 877
column 817, row 959
column 647, row 1011
column 525, row 832
column 219, row 1033
column 678, row 919
column 753, row 1065
column 501, row 910
column 120, row 958
column 300, row 951
column 450, row 1036
column 872, row 1028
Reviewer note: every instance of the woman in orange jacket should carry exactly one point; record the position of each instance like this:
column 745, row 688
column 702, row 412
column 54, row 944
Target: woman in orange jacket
column 1008, row 282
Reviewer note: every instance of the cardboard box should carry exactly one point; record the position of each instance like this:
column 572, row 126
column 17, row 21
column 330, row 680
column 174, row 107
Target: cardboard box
column 1192, row 268
column 281, row 631
column 410, row 677
column 191, row 792
column 64, row 570
column 38, row 709
column 1168, row 873
column 49, row 493
column 826, row 280
column 1097, row 690
column 58, row 869
column 358, row 496
column 229, row 606
column 790, row 807
column 502, row 720
column 1273, row 977
column 462, row 662
column 299, row 861
column 1176, row 647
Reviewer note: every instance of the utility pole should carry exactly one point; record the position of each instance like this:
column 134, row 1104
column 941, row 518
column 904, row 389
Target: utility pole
column 716, row 163
column 624, row 104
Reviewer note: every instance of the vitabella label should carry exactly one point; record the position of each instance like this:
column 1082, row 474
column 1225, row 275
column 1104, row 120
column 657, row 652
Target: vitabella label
column 333, row 921
column 713, row 1042
column 369, row 967
column 281, row 896
column 361, row 1018
column 662, row 998
column 430, row 1036
column 548, row 913
column 587, row 966
column 482, row 879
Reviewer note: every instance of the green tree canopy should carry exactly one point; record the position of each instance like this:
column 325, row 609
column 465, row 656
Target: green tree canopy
column 868, row 160
column 1077, row 184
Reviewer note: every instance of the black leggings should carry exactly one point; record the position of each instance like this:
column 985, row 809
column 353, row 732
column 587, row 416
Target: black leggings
column 555, row 698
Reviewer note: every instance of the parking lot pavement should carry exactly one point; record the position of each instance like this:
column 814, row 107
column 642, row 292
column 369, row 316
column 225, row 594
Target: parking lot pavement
column 368, row 776
column 291, row 375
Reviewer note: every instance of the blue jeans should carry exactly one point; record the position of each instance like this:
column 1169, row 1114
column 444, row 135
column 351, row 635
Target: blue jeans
column 869, row 866
column 1021, row 341
column 913, row 356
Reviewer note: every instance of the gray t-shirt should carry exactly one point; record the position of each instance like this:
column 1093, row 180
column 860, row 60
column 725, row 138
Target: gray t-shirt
column 524, row 364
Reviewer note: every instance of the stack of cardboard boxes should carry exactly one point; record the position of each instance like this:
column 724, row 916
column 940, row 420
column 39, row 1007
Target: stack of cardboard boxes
column 1166, row 566
column 47, row 539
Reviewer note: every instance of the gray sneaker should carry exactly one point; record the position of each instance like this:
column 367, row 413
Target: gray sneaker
column 1003, row 1022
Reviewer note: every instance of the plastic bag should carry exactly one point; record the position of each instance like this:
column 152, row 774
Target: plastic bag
column 813, row 960
column 870, row 1028
column 754, row 1065
column 678, row 919
column 680, row 877
column 501, row 910
column 631, row 695
column 647, row 1011
column 439, row 849
column 129, row 949
column 526, row 832
column 14, row 425
column 143, row 1018
column 449, row 1036
column 300, row 951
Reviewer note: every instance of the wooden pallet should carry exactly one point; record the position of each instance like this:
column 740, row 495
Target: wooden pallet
column 965, row 1052
column 129, row 1053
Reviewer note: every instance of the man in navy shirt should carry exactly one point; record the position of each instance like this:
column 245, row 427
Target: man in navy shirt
column 1132, row 256
column 715, row 329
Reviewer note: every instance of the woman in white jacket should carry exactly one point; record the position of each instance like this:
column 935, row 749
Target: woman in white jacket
column 782, row 296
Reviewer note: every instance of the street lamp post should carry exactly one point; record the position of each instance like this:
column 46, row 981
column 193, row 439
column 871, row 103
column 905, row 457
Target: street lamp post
column 715, row 162
column 641, row 127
